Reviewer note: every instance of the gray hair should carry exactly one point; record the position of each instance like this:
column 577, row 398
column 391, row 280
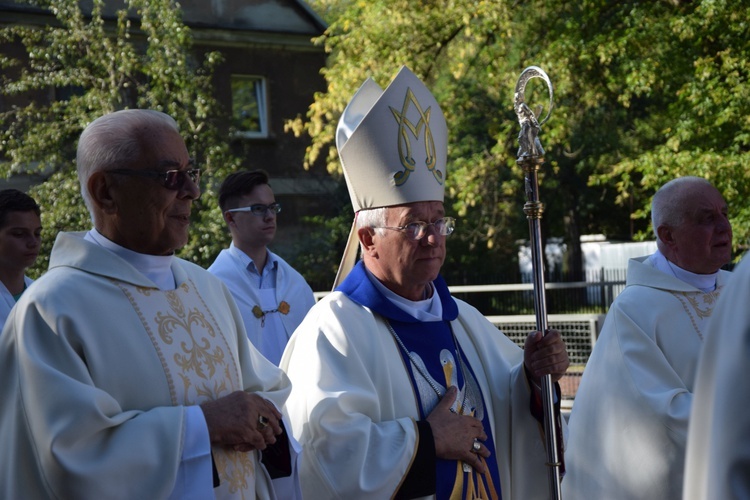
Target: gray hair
column 113, row 141
column 669, row 204
column 372, row 217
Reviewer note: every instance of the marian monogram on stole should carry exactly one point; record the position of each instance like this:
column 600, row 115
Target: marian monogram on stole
column 199, row 365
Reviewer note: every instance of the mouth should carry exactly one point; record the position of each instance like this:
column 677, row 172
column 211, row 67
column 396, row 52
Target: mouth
column 429, row 257
column 182, row 218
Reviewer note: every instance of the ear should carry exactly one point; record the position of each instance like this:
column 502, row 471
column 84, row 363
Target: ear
column 100, row 190
column 366, row 237
column 228, row 218
column 666, row 235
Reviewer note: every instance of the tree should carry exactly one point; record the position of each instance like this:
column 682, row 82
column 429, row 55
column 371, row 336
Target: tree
column 444, row 43
column 95, row 64
column 645, row 92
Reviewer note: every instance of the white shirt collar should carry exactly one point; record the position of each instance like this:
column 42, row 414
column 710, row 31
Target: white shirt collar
column 704, row 282
column 430, row 309
column 157, row 268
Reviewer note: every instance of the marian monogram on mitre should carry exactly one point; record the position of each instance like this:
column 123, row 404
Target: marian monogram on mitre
column 414, row 125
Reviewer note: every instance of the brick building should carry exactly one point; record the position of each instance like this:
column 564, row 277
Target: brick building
column 270, row 72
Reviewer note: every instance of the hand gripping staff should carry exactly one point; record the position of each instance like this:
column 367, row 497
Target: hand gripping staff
column 530, row 159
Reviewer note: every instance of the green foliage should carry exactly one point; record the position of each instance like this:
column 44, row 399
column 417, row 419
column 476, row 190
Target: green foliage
column 644, row 92
column 446, row 44
column 84, row 66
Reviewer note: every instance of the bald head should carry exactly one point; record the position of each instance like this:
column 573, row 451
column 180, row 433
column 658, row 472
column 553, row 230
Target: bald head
column 690, row 221
column 116, row 140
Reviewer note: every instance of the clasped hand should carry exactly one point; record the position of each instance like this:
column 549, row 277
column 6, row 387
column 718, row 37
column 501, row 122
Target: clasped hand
column 243, row 421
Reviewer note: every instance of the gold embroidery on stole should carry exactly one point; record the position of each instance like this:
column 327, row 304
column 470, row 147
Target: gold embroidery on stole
column 193, row 350
column 691, row 303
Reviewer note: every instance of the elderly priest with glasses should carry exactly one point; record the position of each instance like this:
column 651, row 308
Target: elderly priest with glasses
column 398, row 389
column 126, row 371
column 271, row 295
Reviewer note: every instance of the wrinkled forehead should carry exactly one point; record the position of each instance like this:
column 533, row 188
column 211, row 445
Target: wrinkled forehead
column 162, row 147
column 701, row 206
column 703, row 198
column 420, row 210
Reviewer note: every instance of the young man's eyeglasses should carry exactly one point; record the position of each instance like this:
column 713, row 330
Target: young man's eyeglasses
column 170, row 179
column 418, row 230
column 259, row 209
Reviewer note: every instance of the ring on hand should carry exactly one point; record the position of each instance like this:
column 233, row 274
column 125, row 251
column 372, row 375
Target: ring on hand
column 262, row 422
column 476, row 447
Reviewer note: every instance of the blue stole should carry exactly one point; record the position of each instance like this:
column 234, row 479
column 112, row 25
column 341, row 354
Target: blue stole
column 433, row 348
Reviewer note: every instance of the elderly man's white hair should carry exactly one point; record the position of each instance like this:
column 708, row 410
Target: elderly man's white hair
column 113, row 141
column 669, row 204
column 372, row 217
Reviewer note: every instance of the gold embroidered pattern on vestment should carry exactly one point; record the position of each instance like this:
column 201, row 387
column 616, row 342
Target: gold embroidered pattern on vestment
column 698, row 306
column 192, row 349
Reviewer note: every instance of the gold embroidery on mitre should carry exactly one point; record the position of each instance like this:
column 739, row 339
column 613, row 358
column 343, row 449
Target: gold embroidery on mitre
column 404, row 143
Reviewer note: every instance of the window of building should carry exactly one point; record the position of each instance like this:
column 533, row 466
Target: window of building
column 249, row 106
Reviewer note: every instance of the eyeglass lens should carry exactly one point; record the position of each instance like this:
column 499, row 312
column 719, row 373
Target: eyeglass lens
column 417, row 230
column 260, row 209
column 175, row 179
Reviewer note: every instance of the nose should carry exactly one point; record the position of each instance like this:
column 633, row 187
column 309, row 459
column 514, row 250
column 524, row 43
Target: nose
column 269, row 213
column 189, row 190
column 34, row 241
column 431, row 237
column 722, row 225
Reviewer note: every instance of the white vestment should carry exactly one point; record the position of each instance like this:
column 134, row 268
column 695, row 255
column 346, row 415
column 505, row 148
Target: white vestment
column 354, row 409
column 628, row 426
column 7, row 301
column 267, row 334
column 97, row 367
column 718, row 450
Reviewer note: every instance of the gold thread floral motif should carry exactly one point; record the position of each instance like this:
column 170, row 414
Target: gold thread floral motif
column 197, row 353
column 190, row 345
column 694, row 300
column 234, row 468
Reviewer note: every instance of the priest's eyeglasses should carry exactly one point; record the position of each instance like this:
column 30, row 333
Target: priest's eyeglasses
column 171, row 179
column 418, row 230
column 259, row 210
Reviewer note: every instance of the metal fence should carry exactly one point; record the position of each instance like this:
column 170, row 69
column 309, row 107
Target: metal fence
column 579, row 331
column 591, row 296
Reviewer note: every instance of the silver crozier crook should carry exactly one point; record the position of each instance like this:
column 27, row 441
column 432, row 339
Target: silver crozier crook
column 530, row 158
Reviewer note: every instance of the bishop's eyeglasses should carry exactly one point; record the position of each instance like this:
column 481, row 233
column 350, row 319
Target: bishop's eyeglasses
column 259, row 210
column 418, row 229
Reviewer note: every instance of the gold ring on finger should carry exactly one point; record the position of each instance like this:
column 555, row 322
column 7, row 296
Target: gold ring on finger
column 262, row 422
